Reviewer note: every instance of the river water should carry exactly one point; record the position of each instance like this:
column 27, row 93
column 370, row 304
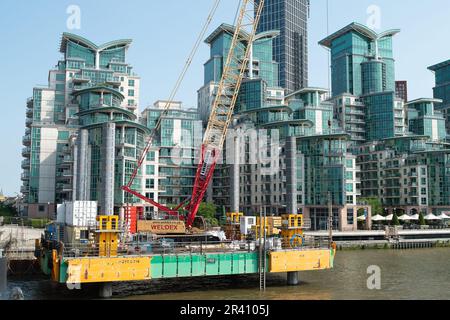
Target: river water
column 410, row 274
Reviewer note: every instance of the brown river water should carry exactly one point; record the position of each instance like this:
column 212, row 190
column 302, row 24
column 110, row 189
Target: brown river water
column 409, row 274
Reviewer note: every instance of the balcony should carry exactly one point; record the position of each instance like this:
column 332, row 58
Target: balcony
column 26, row 152
column 26, row 140
column 28, row 123
column 26, row 164
column 115, row 81
column 64, row 174
column 64, row 187
column 25, row 176
column 24, row 189
column 29, row 112
column 78, row 78
column 67, row 159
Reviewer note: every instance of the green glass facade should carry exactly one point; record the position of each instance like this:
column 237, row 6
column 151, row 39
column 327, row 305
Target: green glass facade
column 177, row 139
column 442, row 88
column 425, row 120
column 87, row 90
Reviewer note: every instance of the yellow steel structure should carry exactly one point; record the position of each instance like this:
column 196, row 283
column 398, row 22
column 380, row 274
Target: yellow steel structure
column 107, row 235
column 271, row 224
column 297, row 260
column 234, row 217
column 292, row 230
column 92, row 270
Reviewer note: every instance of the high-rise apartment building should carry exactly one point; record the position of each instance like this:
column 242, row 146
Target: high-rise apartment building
column 401, row 90
column 177, row 141
column 290, row 49
column 363, row 83
column 442, row 88
column 83, row 139
column 287, row 172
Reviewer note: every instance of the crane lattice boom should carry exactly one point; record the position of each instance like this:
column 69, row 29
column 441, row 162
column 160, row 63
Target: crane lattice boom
column 223, row 108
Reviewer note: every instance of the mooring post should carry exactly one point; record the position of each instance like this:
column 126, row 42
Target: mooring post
column 293, row 279
column 3, row 275
column 106, row 291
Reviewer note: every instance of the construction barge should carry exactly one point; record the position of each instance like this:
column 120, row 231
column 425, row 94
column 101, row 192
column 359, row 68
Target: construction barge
column 111, row 254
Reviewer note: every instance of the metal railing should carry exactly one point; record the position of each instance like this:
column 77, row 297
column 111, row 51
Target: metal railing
column 163, row 247
column 168, row 247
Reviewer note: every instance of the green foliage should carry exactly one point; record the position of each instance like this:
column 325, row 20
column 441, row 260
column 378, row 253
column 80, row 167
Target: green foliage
column 7, row 211
column 375, row 204
column 208, row 211
column 395, row 220
column 422, row 219
column 39, row 223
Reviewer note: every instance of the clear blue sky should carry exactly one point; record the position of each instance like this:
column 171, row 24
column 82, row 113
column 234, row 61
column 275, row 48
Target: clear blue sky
column 164, row 32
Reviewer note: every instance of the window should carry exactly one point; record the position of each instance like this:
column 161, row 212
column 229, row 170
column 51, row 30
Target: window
column 131, row 83
column 63, row 135
column 349, row 164
column 350, row 218
column 150, row 170
column 150, row 183
column 131, row 103
column 151, row 156
column 131, row 93
column 41, row 208
column 349, row 187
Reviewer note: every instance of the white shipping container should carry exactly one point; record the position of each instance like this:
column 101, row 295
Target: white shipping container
column 81, row 213
column 61, row 213
column 246, row 224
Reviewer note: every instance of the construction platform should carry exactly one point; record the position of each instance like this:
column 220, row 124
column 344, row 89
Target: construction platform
column 73, row 270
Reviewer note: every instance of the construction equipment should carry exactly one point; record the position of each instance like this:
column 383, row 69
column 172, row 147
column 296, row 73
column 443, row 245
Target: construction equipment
column 221, row 115
column 292, row 231
column 108, row 235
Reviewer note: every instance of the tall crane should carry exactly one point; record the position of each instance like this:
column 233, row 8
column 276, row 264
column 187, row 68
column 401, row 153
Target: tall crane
column 222, row 110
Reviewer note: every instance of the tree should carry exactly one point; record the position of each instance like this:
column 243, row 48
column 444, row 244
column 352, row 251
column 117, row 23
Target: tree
column 422, row 219
column 395, row 220
column 375, row 204
column 208, row 211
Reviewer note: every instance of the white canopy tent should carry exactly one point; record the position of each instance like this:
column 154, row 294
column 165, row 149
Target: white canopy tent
column 362, row 218
column 390, row 217
column 378, row 218
column 431, row 217
column 443, row 216
column 405, row 217
column 415, row 217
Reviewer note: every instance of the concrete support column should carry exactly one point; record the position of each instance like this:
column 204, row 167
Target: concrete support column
column 293, row 279
column 75, row 173
column 3, row 275
column 342, row 214
column 235, row 176
column 106, row 291
column 291, row 175
column 108, row 157
column 82, row 166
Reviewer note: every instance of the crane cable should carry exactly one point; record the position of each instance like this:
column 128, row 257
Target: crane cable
column 175, row 89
